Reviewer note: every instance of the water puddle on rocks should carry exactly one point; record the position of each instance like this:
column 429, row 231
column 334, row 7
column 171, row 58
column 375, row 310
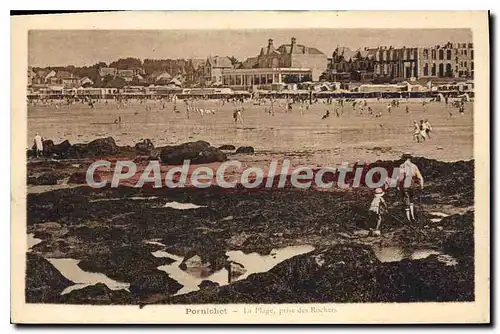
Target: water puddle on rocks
column 242, row 266
column 123, row 199
column 438, row 216
column 69, row 269
column 182, row 206
column 32, row 241
column 396, row 254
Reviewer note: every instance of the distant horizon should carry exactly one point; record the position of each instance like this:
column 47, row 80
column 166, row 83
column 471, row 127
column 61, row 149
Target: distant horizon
column 61, row 48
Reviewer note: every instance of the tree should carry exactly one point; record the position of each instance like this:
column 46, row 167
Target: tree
column 233, row 60
column 99, row 65
column 126, row 63
column 116, row 82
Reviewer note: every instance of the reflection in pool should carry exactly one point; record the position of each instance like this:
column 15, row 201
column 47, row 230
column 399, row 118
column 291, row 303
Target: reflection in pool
column 249, row 263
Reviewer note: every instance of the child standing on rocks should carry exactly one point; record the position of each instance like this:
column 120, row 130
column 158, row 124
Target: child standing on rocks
column 374, row 213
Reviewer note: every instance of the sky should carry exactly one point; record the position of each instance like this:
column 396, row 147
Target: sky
column 87, row 47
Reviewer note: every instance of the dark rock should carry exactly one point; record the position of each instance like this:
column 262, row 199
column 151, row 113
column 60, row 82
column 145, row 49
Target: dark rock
column 44, row 283
column 245, row 149
column 155, row 281
column 208, row 284
column 258, row 244
column 102, row 147
column 175, row 155
column 145, row 147
column 49, row 178
column 48, row 146
column 121, row 263
column 79, row 151
column 208, row 155
column 98, row 294
column 227, row 148
column 62, row 149
column 424, row 281
column 81, row 178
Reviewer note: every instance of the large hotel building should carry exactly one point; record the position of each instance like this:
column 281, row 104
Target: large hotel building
column 289, row 63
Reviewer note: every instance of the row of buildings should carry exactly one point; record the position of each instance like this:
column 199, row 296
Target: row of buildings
column 275, row 66
column 451, row 60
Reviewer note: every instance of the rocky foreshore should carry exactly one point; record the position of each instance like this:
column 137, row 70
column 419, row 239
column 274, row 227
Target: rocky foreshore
column 107, row 230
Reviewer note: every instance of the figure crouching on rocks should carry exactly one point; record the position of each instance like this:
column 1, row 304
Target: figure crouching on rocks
column 375, row 211
column 410, row 181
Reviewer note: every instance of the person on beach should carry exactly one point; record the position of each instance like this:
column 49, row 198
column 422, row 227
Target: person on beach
column 428, row 128
column 389, row 108
column 38, row 145
column 416, row 132
column 237, row 116
column 409, row 181
column 423, row 130
column 327, row 114
column 407, row 109
column 461, row 110
column 375, row 212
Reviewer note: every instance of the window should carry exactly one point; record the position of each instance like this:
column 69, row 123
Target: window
column 472, row 66
column 433, row 70
column 426, row 69
column 465, row 52
column 441, row 70
column 433, row 54
column 426, row 53
column 448, row 54
column 449, row 71
column 471, row 54
column 441, row 54
column 470, row 45
column 465, row 64
column 460, row 73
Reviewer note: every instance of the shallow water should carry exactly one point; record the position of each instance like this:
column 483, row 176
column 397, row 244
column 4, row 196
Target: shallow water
column 69, row 269
column 395, row 254
column 252, row 263
column 32, row 241
column 439, row 214
column 123, row 199
column 182, row 206
column 257, row 263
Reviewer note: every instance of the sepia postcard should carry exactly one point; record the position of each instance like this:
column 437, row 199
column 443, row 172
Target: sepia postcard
column 250, row 167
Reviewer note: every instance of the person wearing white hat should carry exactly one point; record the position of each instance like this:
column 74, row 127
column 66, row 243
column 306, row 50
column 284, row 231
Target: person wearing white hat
column 409, row 179
column 374, row 213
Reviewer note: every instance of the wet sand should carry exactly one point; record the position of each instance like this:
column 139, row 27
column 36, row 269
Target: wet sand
column 304, row 138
